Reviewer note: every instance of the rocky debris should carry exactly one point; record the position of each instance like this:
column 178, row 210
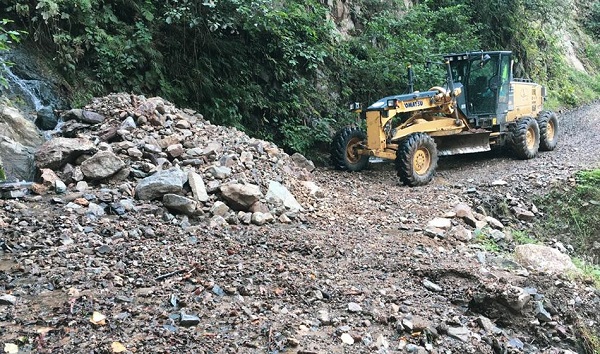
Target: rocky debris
column 14, row 126
column 56, row 153
column 144, row 266
column 278, row 193
column 7, row 299
column 523, row 214
column 544, row 259
column 102, row 165
column 161, row 183
column 241, row 196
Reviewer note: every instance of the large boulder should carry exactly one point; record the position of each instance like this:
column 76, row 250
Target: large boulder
column 45, row 119
column 543, row 259
column 161, row 183
column 279, row 192
column 83, row 116
column 240, row 197
column 179, row 203
column 102, row 165
column 56, row 153
column 16, row 127
column 17, row 160
column 198, row 187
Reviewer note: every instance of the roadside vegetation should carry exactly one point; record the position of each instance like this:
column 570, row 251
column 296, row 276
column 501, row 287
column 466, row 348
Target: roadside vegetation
column 283, row 71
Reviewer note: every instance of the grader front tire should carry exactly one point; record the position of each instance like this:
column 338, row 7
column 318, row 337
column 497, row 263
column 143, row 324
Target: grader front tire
column 416, row 159
column 548, row 130
column 344, row 147
column 525, row 135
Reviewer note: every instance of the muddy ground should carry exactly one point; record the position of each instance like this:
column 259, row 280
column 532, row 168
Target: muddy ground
column 349, row 275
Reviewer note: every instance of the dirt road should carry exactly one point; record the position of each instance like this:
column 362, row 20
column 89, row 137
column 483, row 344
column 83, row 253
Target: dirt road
column 354, row 273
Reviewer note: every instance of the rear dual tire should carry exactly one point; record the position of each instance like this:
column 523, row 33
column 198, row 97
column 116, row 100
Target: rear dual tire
column 548, row 123
column 525, row 138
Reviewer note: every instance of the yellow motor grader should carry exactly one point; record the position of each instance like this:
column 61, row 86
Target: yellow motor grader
column 480, row 106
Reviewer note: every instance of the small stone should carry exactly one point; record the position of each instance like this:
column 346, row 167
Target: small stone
column 541, row 313
column 499, row 182
column 494, row 223
column 8, row 300
column 60, row 187
column 431, row 286
column 460, row 333
column 219, row 172
column 523, row 214
column 440, row 223
column 189, row 320
column 324, row 318
column 354, row 307
column 347, row 339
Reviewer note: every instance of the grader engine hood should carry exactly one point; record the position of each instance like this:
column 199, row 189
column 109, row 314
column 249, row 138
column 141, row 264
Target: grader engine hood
column 407, row 102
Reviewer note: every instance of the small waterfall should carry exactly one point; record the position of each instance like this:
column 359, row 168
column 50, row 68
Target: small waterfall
column 28, row 89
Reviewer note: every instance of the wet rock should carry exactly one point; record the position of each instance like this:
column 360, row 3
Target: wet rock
column 544, row 259
column 161, row 183
column 102, row 165
column 83, row 116
column 179, row 203
column 241, row 196
column 55, row 153
column 45, row 118
column 278, row 192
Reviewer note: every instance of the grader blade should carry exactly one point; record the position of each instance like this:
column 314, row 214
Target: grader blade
column 463, row 143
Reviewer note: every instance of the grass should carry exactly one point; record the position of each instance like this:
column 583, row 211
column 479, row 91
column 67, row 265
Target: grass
column 589, row 341
column 573, row 214
column 486, row 241
column 523, row 238
column 590, row 271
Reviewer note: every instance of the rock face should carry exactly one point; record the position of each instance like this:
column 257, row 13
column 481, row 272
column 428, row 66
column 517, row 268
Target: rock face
column 544, row 259
column 55, row 153
column 18, row 160
column 18, row 128
column 18, row 140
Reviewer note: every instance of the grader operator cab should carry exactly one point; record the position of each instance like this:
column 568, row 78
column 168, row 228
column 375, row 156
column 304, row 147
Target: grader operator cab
column 480, row 106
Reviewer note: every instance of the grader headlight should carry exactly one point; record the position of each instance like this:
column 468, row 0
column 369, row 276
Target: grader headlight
column 355, row 106
column 392, row 103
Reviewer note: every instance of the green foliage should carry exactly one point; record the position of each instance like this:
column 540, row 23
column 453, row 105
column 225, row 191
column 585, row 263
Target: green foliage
column 488, row 243
column 523, row 238
column 575, row 211
column 592, row 22
column 589, row 271
column 7, row 38
column 2, row 174
column 280, row 70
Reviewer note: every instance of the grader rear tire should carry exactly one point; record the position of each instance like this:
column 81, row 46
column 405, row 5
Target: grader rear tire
column 416, row 159
column 548, row 130
column 525, row 138
column 343, row 149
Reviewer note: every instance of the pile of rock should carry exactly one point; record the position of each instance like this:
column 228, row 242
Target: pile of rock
column 155, row 151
